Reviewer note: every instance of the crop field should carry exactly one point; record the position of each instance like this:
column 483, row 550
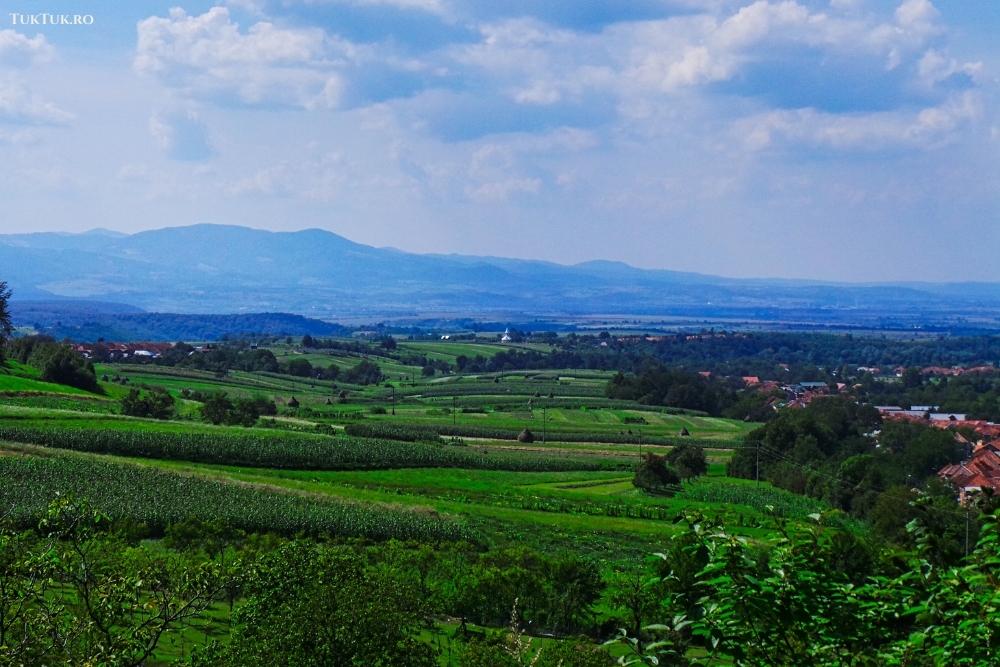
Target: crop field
column 446, row 443
column 427, row 459
column 450, row 350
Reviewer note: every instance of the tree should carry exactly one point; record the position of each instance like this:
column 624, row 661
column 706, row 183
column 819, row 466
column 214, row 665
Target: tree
column 689, row 460
column 655, row 476
column 300, row 368
column 637, row 596
column 6, row 326
column 72, row 593
column 216, row 408
column 365, row 372
column 64, row 366
column 157, row 404
column 311, row 605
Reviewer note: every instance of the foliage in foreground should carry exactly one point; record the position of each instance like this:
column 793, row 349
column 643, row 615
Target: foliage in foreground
column 310, row 605
column 71, row 594
column 810, row 600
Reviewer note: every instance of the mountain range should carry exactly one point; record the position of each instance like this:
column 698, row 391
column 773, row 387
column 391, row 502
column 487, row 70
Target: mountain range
column 229, row 269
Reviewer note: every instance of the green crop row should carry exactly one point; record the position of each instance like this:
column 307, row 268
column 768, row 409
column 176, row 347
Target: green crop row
column 526, row 389
column 764, row 497
column 155, row 499
column 392, row 432
column 412, row 432
column 283, row 449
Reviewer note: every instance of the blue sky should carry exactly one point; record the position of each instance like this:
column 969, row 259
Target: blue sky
column 836, row 139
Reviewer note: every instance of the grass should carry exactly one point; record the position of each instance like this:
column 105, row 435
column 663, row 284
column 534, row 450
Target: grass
column 18, row 378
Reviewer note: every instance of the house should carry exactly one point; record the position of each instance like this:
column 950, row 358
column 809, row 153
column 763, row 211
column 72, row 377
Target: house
column 505, row 338
column 750, row 380
column 947, row 417
column 981, row 470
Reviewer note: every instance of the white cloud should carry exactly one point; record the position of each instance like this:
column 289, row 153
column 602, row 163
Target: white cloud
column 19, row 50
column 19, row 105
column 209, row 56
column 538, row 92
column 935, row 67
column 686, row 52
column 871, row 132
column 181, row 135
column 318, row 178
column 502, row 190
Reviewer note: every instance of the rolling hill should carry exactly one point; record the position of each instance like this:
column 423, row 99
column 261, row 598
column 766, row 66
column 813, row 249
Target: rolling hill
column 230, row 269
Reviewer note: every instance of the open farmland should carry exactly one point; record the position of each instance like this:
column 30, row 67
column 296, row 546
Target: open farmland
column 437, row 458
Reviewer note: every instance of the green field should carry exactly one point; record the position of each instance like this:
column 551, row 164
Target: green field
column 569, row 491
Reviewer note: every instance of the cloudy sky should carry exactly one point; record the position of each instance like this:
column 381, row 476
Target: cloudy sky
column 835, row 139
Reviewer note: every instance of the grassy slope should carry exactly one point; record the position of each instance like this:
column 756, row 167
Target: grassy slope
column 16, row 378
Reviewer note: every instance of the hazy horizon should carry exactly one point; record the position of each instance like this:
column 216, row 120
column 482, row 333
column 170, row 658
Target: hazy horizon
column 841, row 140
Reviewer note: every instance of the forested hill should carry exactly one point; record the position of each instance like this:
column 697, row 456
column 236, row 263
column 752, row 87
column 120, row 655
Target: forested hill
column 216, row 269
column 79, row 323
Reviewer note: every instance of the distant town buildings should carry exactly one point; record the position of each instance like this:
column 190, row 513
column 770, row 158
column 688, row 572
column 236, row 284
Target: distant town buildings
column 979, row 471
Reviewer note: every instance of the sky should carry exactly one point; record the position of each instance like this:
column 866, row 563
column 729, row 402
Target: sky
column 852, row 140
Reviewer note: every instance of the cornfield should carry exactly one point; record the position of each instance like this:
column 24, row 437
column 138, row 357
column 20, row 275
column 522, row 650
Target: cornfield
column 284, row 449
column 158, row 498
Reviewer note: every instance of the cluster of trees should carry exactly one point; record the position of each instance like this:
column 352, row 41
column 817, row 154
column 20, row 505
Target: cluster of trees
column 56, row 362
column 156, row 403
column 365, row 372
column 821, row 597
column 77, row 590
column 220, row 409
column 663, row 474
column 976, row 395
column 6, row 325
column 659, row 385
column 222, row 358
column 842, row 452
column 242, row 356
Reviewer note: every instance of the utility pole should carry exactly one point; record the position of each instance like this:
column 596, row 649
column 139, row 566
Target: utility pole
column 966, row 531
column 394, row 401
column 454, row 413
column 640, row 442
column 544, row 422
column 758, row 463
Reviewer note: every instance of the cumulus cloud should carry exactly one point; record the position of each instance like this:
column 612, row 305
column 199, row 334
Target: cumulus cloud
column 318, row 178
column 682, row 53
column 181, row 135
column 18, row 105
column 935, row 67
column 209, row 56
column 924, row 129
column 20, row 50
column 503, row 189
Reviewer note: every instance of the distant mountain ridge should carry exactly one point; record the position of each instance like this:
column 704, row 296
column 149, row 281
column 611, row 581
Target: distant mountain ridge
column 229, row 269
